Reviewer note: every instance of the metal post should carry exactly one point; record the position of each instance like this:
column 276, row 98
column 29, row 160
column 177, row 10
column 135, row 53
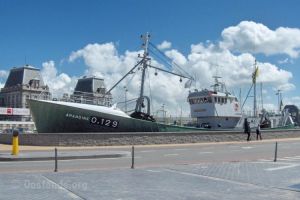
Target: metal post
column 15, row 143
column 55, row 153
column 275, row 158
column 132, row 158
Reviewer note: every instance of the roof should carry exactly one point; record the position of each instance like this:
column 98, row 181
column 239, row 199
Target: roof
column 205, row 93
column 22, row 76
column 89, row 85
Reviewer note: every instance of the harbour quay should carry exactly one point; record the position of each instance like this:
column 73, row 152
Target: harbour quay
column 141, row 138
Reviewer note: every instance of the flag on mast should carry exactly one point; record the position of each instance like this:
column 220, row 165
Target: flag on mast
column 255, row 75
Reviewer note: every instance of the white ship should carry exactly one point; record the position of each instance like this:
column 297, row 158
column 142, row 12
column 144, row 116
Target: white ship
column 216, row 109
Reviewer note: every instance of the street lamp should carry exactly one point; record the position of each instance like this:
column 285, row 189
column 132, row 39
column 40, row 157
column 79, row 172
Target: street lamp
column 164, row 112
column 279, row 94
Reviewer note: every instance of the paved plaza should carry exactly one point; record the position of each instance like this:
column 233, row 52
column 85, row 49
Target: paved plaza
column 263, row 179
column 231, row 171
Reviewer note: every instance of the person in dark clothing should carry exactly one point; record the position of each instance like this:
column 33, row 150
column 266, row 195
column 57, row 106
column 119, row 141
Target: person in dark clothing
column 247, row 129
column 245, row 125
column 258, row 133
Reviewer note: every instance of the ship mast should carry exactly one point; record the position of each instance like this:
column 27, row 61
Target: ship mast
column 144, row 63
column 254, row 75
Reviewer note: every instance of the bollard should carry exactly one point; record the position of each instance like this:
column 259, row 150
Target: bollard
column 132, row 158
column 275, row 157
column 55, row 155
column 15, row 143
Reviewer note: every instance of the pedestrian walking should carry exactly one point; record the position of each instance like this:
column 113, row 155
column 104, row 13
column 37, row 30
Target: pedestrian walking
column 258, row 132
column 247, row 129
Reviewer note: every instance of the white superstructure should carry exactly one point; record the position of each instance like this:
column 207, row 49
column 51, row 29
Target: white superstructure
column 215, row 108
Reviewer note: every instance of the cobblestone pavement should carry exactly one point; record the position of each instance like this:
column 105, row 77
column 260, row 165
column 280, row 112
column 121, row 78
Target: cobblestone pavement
column 262, row 179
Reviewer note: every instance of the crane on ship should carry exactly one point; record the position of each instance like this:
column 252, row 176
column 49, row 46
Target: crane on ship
column 144, row 64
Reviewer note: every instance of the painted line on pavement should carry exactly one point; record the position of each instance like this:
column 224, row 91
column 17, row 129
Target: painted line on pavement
column 147, row 151
column 247, row 147
column 205, row 152
column 156, row 171
column 209, row 177
column 288, row 159
column 231, row 147
column 265, row 160
column 282, row 167
column 293, row 157
column 171, row 154
column 180, row 149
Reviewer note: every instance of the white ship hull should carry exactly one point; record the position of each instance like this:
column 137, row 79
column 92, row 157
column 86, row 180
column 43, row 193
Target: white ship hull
column 218, row 122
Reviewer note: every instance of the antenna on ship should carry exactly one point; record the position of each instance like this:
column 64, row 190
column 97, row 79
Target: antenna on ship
column 254, row 76
column 217, row 84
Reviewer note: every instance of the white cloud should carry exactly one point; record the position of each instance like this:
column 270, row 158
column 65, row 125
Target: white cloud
column 3, row 74
column 58, row 83
column 286, row 60
column 176, row 56
column 99, row 58
column 249, row 36
column 236, row 70
column 292, row 101
column 164, row 45
column 286, row 87
column 264, row 91
column 271, row 107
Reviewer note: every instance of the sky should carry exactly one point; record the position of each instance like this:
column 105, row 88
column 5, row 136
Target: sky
column 68, row 39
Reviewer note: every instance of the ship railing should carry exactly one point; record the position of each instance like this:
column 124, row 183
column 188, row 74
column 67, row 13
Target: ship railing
column 46, row 93
column 86, row 100
column 127, row 106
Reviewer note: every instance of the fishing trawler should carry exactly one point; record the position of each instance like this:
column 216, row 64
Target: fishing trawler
column 219, row 109
column 216, row 108
column 71, row 117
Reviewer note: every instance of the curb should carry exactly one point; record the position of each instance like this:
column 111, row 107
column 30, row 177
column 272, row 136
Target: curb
column 60, row 157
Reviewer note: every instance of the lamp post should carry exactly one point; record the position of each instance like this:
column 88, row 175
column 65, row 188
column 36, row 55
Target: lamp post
column 164, row 112
column 279, row 99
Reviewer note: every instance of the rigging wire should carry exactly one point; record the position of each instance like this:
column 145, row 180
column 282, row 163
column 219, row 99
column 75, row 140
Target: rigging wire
column 128, row 82
column 162, row 56
column 134, row 73
column 161, row 59
column 173, row 64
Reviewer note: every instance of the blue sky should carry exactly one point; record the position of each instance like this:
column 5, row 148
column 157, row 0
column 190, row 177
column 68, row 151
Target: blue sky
column 44, row 31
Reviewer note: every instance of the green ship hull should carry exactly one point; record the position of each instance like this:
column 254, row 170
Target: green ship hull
column 58, row 117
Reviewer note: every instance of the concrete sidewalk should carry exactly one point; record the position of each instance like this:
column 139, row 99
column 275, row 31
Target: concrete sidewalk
column 8, row 148
column 62, row 155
